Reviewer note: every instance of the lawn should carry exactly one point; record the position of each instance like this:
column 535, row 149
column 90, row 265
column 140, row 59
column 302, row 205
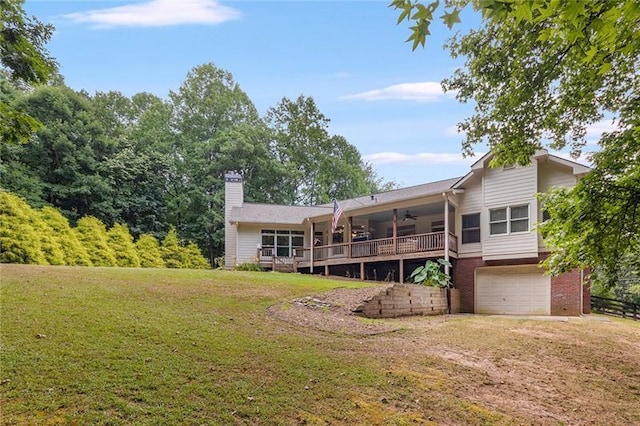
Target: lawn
column 143, row 346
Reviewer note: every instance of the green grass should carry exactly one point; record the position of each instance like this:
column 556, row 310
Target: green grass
column 139, row 346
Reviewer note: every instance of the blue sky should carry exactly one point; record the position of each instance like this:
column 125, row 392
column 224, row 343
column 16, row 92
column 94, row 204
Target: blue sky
column 350, row 56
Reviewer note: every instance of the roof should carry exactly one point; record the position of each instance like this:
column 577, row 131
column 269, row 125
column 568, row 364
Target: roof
column 395, row 195
column 275, row 213
column 279, row 214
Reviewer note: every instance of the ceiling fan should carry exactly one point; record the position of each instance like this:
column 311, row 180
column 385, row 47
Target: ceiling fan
column 408, row 216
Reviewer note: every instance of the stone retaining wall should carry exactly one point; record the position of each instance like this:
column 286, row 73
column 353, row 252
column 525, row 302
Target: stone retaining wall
column 408, row 299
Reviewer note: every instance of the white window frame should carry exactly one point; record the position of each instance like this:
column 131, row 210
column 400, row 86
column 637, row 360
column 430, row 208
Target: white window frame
column 508, row 220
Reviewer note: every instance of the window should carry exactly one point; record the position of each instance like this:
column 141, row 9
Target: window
column 437, row 226
column 282, row 242
column 519, row 219
column 509, row 220
column 498, row 221
column 470, row 228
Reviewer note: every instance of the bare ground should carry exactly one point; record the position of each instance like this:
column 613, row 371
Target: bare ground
column 581, row 371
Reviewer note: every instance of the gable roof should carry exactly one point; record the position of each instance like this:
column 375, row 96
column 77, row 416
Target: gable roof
column 577, row 168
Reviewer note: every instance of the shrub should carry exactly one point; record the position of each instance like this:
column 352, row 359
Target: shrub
column 75, row 254
column 149, row 252
column 19, row 233
column 121, row 242
column 431, row 274
column 93, row 235
column 247, row 266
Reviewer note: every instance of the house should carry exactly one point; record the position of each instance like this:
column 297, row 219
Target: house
column 484, row 223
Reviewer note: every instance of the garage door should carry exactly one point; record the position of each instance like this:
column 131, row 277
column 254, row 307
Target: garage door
column 522, row 290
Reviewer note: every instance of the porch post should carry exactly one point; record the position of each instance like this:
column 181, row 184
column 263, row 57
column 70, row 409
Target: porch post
column 446, row 231
column 401, row 277
column 312, row 245
column 349, row 238
column 362, row 271
column 395, row 231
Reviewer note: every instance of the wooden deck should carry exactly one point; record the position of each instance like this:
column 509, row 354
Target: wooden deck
column 380, row 250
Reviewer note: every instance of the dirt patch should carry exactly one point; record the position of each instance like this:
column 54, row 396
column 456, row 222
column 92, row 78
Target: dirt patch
column 332, row 311
column 532, row 372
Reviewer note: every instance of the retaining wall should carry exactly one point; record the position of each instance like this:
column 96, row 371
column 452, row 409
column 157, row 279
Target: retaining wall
column 409, row 299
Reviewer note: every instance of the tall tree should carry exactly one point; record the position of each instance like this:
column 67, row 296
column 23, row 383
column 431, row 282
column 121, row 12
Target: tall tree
column 318, row 166
column 24, row 57
column 217, row 128
column 540, row 72
column 67, row 155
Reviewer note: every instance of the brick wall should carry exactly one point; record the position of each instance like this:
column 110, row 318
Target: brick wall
column 406, row 299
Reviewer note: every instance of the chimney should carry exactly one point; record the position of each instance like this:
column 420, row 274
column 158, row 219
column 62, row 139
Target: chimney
column 233, row 197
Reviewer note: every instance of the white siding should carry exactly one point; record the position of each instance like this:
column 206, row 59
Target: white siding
column 249, row 238
column 510, row 187
column 470, row 202
column 553, row 175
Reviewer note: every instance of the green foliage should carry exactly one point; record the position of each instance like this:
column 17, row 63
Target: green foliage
column 121, row 242
column 318, row 167
column 192, row 257
column 93, row 235
column 149, row 252
column 19, row 236
column 248, row 266
column 431, row 274
column 172, row 250
column 75, row 253
column 540, row 72
column 23, row 57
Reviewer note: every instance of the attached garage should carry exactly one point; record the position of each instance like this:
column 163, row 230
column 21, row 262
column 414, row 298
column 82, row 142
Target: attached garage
column 512, row 290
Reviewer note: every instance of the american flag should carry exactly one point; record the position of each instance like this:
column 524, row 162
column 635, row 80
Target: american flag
column 337, row 212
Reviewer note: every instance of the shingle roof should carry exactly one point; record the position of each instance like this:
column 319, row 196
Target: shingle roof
column 279, row 214
column 274, row 213
column 425, row 189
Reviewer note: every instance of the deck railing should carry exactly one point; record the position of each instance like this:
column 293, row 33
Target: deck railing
column 419, row 243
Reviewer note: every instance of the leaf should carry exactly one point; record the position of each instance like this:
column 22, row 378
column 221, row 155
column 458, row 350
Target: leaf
column 451, row 18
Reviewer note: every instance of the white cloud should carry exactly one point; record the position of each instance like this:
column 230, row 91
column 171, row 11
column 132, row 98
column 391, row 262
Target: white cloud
column 596, row 130
column 420, row 158
column 158, row 13
column 428, row 91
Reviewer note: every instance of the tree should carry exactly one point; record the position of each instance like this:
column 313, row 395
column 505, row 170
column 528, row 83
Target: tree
column 149, row 252
column 121, row 242
column 318, row 166
column 66, row 158
column 540, row 72
column 93, row 235
column 216, row 129
column 24, row 57
column 19, row 238
column 75, row 253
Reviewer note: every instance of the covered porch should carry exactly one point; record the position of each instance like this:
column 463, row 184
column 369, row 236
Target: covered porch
column 420, row 230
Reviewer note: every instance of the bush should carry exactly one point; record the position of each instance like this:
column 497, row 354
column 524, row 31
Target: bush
column 93, row 235
column 248, row 266
column 149, row 252
column 75, row 254
column 121, row 242
column 20, row 232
